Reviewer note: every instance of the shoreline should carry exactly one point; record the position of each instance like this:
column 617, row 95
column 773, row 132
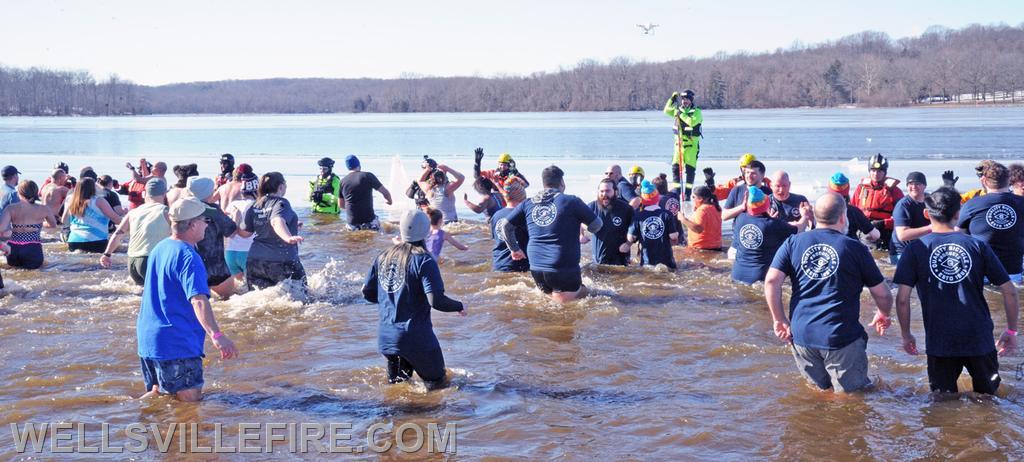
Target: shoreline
column 1000, row 104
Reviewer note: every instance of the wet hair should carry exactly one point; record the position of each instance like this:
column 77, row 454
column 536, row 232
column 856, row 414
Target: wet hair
column 483, row 186
column 552, row 177
column 830, row 215
column 997, row 173
column 436, row 217
column 106, row 181
column 610, row 182
column 757, row 165
column 399, row 256
column 270, row 182
column 943, row 204
column 183, row 172
column 84, row 191
column 707, row 195
column 1016, row 173
column 29, row 190
column 661, row 183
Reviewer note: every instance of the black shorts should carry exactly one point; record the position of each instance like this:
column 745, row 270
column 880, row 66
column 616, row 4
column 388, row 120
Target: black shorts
column 91, row 246
column 564, row 281
column 28, row 256
column 984, row 371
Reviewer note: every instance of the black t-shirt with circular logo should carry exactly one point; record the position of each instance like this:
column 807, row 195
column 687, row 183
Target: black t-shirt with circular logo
column 828, row 270
column 949, row 271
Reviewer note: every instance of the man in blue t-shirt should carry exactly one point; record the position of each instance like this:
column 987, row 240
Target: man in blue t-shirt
column 949, row 271
column 503, row 258
column 176, row 316
column 617, row 216
column 786, row 204
column 909, row 220
column 553, row 220
column 654, row 228
column 757, row 236
column 996, row 218
column 736, row 203
column 827, row 270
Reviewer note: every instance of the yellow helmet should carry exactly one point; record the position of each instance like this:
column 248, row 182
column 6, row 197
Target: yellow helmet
column 636, row 170
column 504, row 158
column 746, row 159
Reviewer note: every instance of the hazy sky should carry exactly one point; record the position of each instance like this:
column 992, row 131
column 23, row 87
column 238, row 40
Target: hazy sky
column 153, row 42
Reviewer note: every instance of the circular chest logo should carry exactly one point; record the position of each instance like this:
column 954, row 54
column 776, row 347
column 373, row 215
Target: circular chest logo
column 751, row 237
column 794, row 212
column 950, row 263
column 653, row 227
column 672, row 205
column 617, row 221
column 544, row 214
column 819, row 261
column 1001, row 216
column 392, row 278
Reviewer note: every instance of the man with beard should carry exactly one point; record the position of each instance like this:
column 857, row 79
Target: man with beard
column 617, row 216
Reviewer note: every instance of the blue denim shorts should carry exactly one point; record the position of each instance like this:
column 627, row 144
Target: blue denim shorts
column 173, row 375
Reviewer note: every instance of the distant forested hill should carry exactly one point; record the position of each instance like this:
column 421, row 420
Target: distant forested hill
column 868, row 69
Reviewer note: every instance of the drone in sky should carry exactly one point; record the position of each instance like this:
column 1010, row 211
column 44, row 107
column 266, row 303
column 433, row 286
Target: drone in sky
column 648, row 29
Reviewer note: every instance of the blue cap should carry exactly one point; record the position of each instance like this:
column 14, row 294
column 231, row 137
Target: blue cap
column 839, row 179
column 351, row 162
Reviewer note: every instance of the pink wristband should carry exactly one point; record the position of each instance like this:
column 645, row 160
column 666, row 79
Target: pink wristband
column 1011, row 332
column 217, row 335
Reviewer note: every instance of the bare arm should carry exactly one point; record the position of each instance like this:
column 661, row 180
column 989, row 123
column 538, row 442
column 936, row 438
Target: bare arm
column 476, row 208
column 907, row 234
column 5, row 222
column 691, row 225
column 903, row 315
column 123, row 229
column 773, row 295
column 204, row 312
column 1008, row 343
column 108, row 212
column 451, row 240
column 281, row 229
column 728, row 214
column 459, row 178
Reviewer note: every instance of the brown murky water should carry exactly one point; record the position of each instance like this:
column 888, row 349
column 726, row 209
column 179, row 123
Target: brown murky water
column 653, row 366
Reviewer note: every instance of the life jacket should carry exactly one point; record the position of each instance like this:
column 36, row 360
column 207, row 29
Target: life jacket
column 877, row 201
column 971, row 195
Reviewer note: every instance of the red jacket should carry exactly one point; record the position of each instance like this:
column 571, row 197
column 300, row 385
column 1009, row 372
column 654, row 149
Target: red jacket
column 877, row 201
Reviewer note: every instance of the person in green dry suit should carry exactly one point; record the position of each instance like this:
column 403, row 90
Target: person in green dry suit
column 687, row 120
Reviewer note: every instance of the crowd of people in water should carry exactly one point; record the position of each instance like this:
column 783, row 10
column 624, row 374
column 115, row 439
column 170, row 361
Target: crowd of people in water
column 192, row 237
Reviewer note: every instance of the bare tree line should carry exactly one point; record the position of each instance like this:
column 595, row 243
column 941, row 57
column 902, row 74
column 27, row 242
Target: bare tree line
column 867, row 69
